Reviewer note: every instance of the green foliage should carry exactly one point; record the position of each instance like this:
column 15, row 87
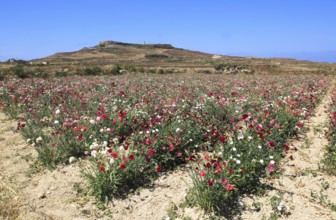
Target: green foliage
column 232, row 67
column 2, row 75
column 61, row 74
column 156, row 56
column 93, row 71
column 140, row 70
column 115, row 70
column 19, row 71
column 131, row 68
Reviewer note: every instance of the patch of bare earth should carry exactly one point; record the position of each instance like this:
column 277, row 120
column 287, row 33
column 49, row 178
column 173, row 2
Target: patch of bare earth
column 303, row 191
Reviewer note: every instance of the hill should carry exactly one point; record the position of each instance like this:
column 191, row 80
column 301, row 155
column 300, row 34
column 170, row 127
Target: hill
column 167, row 57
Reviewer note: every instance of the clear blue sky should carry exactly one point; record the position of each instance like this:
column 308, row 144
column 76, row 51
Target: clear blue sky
column 303, row 29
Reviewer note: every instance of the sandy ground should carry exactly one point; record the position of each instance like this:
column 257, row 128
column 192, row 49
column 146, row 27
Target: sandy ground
column 303, row 191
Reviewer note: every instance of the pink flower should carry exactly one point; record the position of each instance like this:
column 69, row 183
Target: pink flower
column 224, row 181
column 202, row 173
column 229, row 187
column 271, row 167
column 211, row 182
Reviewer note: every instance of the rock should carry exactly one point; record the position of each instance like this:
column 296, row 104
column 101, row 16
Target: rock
column 41, row 195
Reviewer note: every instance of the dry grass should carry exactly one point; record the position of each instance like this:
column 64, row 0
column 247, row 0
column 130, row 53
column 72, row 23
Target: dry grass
column 9, row 208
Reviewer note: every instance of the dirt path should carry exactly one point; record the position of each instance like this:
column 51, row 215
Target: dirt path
column 301, row 192
column 305, row 192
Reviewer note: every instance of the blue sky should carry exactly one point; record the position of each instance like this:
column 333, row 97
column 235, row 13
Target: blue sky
column 303, row 29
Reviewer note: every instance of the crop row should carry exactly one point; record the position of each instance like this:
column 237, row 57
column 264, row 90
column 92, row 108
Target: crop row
column 330, row 155
column 230, row 131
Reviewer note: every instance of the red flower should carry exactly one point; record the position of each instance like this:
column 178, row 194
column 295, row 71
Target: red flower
column 158, row 169
column 299, row 124
column 222, row 139
column 230, row 171
column 76, row 129
column 102, row 169
column 148, row 141
column 114, row 154
column 271, row 143
column 286, row 147
column 124, row 159
column 224, row 181
column 211, row 182
column 131, row 157
column 122, row 166
column 84, row 128
column 151, row 152
column 229, row 187
column 179, row 154
column 104, row 116
column 80, row 137
column 218, row 170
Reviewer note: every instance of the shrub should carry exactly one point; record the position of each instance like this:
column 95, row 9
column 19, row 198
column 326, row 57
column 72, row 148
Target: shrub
column 61, row 74
column 131, row 68
column 94, row 71
column 115, row 70
column 19, row 72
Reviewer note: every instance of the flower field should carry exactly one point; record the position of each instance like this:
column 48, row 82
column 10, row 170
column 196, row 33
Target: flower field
column 228, row 131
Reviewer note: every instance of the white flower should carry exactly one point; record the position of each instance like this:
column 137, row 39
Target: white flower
column 178, row 130
column 238, row 161
column 28, row 140
column 272, row 162
column 101, row 130
column 271, row 157
column 249, row 137
column 98, row 118
column 57, row 111
column 92, row 121
column 259, row 146
column 72, row 159
column 240, row 136
column 56, row 122
column 234, row 149
column 115, row 140
column 261, row 161
column 39, row 139
column 111, row 161
column 94, row 153
column 105, row 143
column 280, row 206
